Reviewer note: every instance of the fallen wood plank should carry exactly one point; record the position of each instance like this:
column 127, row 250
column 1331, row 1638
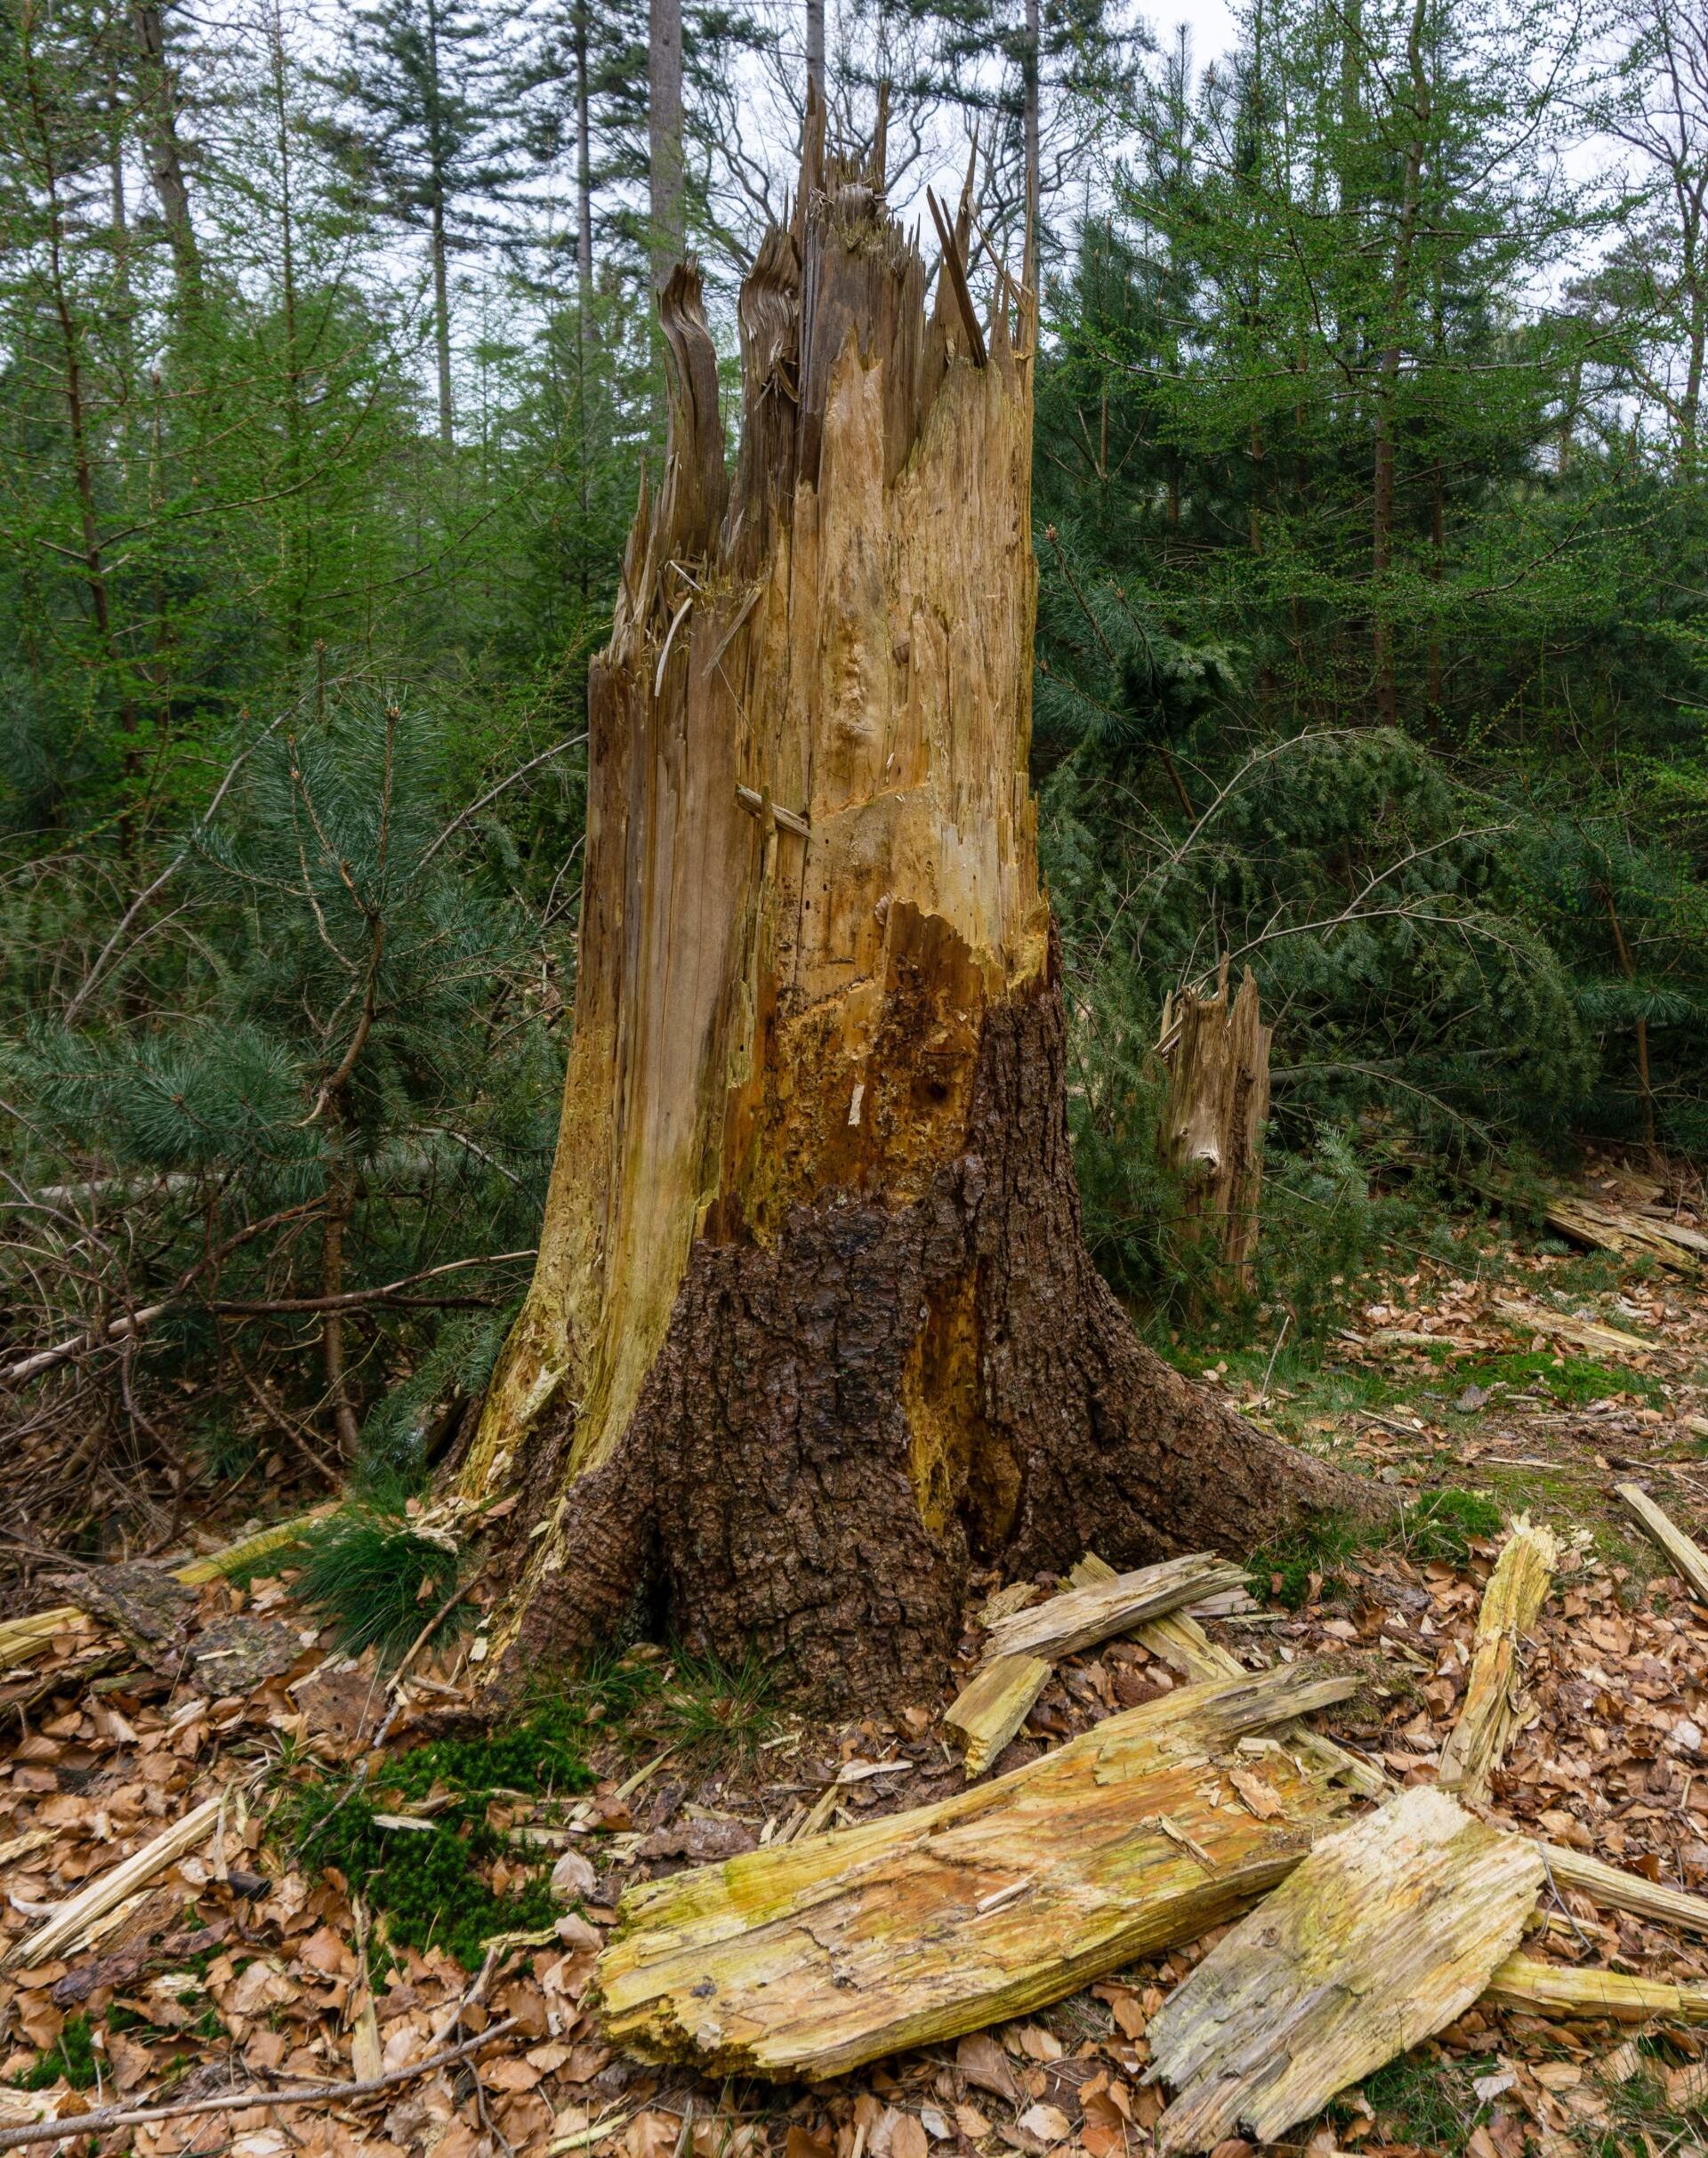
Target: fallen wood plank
column 1390, row 1929
column 20, row 1638
column 807, row 1959
column 71, row 1922
column 1601, row 1228
column 1688, row 1558
column 993, row 1705
column 1182, row 1644
column 1078, row 1617
column 1581, row 1334
column 1557, row 1989
column 1614, row 1890
column 1516, row 1591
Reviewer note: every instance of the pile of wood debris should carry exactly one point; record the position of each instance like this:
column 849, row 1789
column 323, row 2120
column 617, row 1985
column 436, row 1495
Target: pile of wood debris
column 1223, row 1861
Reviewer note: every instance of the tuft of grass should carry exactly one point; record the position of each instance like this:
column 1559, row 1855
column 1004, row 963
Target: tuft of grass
column 1428, row 2102
column 1444, row 1524
column 376, row 1579
column 705, row 1707
column 1283, row 1569
column 72, row 2055
column 1440, row 1525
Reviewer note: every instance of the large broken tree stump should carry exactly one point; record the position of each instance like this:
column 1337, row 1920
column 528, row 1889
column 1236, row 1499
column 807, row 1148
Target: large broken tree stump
column 1387, row 1932
column 807, row 1958
column 1211, row 1135
column 812, row 1322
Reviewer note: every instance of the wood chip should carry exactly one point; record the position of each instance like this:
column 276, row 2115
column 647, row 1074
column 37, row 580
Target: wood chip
column 73, row 1923
column 988, row 1710
column 1386, row 1932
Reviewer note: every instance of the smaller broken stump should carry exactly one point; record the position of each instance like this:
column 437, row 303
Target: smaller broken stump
column 807, row 1960
column 1217, row 1053
column 1387, row 1932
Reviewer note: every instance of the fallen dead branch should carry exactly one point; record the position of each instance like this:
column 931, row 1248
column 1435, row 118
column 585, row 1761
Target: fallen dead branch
column 809, row 1958
column 99, row 2121
column 1688, row 1555
column 1078, row 1617
column 1614, row 1890
column 1557, row 1989
column 1390, row 1929
column 1516, row 1591
column 1581, row 1334
column 70, row 1923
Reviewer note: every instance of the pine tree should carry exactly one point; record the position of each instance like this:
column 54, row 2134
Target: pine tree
column 432, row 135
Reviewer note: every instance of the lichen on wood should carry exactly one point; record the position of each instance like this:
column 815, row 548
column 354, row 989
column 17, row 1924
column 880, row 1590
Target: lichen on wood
column 806, row 1960
column 1390, row 1929
column 1516, row 1591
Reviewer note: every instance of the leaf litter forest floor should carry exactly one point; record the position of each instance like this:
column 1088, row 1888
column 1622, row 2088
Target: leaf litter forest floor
column 323, row 1929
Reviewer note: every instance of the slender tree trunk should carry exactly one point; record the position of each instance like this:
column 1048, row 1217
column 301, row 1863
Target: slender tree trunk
column 1032, row 71
column 1211, row 1135
column 442, row 323
column 812, row 1323
column 165, row 155
column 664, row 136
column 816, row 47
column 1382, row 533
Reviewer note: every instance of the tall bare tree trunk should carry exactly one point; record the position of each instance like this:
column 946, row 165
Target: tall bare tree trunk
column 664, row 136
column 812, row 1322
column 165, row 154
column 816, row 47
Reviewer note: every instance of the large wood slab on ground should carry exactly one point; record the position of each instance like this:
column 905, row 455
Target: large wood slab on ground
column 1390, row 1928
column 1078, row 1617
column 808, row 1959
column 1516, row 1591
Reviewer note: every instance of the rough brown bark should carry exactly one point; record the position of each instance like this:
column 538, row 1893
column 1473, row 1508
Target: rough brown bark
column 813, row 1322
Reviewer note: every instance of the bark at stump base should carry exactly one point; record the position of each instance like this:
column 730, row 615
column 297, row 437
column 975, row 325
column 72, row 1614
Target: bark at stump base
column 841, row 1423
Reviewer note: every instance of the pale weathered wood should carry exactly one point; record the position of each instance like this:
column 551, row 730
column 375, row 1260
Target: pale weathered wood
column 1210, row 1132
column 1387, row 1932
column 1556, row 1989
column 1516, row 1591
column 808, row 1959
column 1182, row 1644
column 1689, row 1559
column 1614, row 1890
column 1612, row 1229
column 993, row 1705
column 1078, row 1617
column 1581, row 1334
column 73, row 1919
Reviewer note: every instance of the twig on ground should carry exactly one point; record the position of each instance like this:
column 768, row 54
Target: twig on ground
column 98, row 2122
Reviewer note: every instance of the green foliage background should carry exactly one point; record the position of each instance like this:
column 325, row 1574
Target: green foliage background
column 1371, row 522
